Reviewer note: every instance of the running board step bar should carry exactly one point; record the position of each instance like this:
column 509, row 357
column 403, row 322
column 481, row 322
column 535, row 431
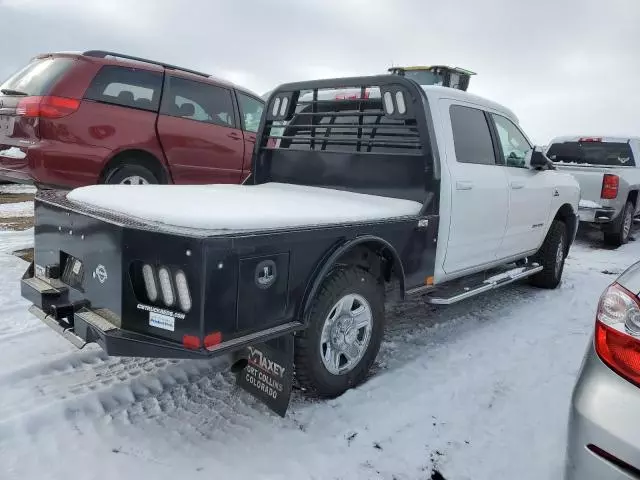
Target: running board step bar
column 448, row 296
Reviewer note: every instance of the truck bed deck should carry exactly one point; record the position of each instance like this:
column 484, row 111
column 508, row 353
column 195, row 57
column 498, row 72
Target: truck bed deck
column 206, row 210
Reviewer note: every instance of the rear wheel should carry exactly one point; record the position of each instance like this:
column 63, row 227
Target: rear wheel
column 551, row 257
column 131, row 175
column 346, row 325
column 622, row 229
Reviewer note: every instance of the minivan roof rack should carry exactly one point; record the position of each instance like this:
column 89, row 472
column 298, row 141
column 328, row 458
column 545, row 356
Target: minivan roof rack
column 104, row 53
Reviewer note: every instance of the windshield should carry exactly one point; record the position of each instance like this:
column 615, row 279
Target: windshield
column 424, row 77
column 615, row 154
column 37, row 77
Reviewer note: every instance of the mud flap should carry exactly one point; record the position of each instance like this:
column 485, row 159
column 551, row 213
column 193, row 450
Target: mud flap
column 268, row 375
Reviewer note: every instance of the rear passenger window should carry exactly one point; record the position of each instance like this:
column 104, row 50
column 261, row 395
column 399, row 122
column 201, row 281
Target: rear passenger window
column 128, row 87
column 198, row 101
column 471, row 136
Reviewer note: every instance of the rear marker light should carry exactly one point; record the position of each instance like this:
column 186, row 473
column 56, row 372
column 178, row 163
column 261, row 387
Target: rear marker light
column 388, row 103
column 191, row 342
column 617, row 336
column 276, row 107
column 610, row 184
column 402, row 107
column 166, row 287
column 283, row 108
column 184, row 297
column 150, row 283
column 212, row 340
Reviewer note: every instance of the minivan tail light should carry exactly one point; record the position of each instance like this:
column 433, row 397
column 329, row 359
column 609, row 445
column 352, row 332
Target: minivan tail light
column 47, row 107
column 617, row 336
column 610, row 185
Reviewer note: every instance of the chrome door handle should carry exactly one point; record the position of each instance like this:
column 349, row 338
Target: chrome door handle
column 464, row 185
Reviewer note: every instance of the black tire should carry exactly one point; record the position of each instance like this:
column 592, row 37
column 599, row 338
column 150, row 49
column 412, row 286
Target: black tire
column 622, row 227
column 311, row 372
column 122, row 173
column 550, row 258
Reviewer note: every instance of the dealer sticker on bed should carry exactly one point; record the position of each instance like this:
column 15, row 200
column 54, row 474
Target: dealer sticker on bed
column 164, row 322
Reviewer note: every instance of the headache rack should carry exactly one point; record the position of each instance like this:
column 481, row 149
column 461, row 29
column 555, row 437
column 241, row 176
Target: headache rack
column 168, row 66
column 378, row 116
column 361, row 134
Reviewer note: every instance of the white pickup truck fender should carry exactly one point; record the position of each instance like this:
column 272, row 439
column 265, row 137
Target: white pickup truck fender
column 568, row 194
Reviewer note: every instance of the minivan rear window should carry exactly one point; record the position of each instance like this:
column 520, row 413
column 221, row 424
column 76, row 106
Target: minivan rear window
column 38, row 77
column 611, row 154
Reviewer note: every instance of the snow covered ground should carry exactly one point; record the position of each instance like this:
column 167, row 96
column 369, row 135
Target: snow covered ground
column 19, row 209
column 479, row 390
column 15, row 188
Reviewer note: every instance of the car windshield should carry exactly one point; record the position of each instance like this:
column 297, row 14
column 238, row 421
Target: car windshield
column 615, row 154
column 37, row 77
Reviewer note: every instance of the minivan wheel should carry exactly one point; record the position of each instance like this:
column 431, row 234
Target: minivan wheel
column 131, row 175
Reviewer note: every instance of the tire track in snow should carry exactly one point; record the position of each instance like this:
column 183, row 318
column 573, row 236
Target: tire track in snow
column 70, row 378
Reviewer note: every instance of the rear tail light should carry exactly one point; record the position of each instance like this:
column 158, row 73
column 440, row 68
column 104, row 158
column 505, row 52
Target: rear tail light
column 590, row 139
column 47, row 107
column 617, row 337
column 610, row 185
column 191, row 342
column 210, row 341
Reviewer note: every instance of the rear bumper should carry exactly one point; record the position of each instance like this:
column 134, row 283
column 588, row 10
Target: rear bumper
column 598, row 216
column 602, row 414
column 52, row 164
column 87, row 326
column 81, row 325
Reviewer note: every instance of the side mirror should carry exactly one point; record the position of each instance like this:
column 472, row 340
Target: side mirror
column 538, row 160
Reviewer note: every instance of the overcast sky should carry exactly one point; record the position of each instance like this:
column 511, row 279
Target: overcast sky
column 564, row 66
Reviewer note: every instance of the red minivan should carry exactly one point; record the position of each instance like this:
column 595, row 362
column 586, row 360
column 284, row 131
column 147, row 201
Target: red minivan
column 74, row 119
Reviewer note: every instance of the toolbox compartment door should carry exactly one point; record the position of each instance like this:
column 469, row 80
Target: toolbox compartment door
column 262, row 291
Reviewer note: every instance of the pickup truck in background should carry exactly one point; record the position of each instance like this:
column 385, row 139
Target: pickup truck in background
column 609, row 176
column 430, row 189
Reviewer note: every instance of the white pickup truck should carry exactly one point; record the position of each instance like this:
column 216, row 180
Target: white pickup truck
column 429, row 188
column 609, row 176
